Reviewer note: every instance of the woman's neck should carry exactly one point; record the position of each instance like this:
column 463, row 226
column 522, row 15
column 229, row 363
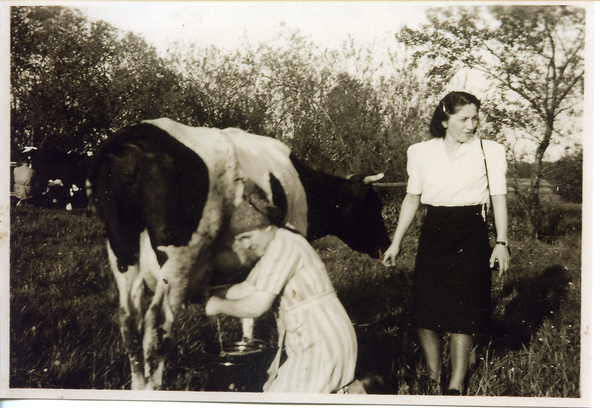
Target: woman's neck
column 452, row 146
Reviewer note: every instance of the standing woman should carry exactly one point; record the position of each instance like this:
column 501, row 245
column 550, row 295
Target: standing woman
column 452, row 279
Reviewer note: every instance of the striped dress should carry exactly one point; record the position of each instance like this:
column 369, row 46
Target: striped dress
column 319, row 338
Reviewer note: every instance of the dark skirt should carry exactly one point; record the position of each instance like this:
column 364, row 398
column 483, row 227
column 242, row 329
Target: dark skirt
column 452, row 280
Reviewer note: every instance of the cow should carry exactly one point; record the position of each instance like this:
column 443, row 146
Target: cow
column 62, row 173
column 166, row 193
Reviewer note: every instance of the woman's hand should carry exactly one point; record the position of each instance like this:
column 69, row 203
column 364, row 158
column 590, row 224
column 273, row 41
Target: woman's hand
column 247, row 328
column 389, row 257
column 211, row 306
column 409, row 208
column 500, row 254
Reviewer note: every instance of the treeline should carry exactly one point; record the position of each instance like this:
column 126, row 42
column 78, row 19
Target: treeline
column 565, row 174
column 73, row 81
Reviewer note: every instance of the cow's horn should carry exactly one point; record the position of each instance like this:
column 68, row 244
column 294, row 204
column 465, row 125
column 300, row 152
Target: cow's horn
column 373, row 179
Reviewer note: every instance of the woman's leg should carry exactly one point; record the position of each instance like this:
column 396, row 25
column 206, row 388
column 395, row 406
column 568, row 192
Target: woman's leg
column 461, row 346
column 430, row 341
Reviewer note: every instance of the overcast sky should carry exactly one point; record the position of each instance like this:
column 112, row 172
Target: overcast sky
column 225, row 24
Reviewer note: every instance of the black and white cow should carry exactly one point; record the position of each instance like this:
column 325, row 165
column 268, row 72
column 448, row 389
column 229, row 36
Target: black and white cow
column 166, row 192
column 63, row 173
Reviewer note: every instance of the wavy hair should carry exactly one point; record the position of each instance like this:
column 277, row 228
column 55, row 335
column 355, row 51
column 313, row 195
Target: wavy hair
column 448, row 106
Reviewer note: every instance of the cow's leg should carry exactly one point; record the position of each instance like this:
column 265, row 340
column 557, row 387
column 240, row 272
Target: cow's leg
column 154, row 340
column 169, row 297
column 131, row 289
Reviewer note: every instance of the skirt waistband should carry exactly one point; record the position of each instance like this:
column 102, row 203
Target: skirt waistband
column 458, row 210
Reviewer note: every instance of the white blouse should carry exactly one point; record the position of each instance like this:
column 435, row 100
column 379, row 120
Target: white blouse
column 459, row 182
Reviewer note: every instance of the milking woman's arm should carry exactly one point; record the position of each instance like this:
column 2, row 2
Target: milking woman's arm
column 237, row 291
column 253, row 305
column 409, row 208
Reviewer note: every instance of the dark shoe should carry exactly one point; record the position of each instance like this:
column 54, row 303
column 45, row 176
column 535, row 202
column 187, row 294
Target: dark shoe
column 454, row 392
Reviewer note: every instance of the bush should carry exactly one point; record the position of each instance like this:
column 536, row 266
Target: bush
column 567, row 176
column 555, row 219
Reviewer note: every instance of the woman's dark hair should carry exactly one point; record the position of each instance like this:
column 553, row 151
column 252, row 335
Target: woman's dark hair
column 448, row 106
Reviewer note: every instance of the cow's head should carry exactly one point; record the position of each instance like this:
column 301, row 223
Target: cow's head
column 349, row 209
column 362, row 226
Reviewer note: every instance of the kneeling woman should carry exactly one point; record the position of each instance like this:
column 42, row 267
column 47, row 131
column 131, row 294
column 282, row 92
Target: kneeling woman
column 319, row 338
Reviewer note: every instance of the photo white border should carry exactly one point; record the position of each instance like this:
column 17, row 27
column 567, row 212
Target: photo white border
column 128, row 398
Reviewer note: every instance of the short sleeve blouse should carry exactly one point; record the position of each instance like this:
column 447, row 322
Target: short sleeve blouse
column 290, row 267
column 459, row 182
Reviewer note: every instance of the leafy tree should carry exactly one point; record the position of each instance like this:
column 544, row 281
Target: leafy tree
column 227, row 83
column 275, row 89
column 567, row 175
column 355, row 113
column 57, row 80
column 295, row 76
column 144, row 86
column 533, row 56
column 73, row 81
column 407, row 107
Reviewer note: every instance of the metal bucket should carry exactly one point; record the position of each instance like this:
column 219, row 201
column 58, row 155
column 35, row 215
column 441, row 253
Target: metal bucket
column 240, row 366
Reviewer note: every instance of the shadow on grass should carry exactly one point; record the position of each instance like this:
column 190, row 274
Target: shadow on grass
column 522, row 305
column 388, row 343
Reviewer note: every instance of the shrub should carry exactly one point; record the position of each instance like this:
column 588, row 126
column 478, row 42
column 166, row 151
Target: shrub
column 567, row 175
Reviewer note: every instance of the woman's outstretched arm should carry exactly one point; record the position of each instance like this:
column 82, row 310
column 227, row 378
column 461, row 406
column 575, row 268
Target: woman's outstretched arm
column 253, row 305
column 409, row 208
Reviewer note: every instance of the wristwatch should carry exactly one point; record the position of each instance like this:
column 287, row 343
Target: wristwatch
column 505, row 244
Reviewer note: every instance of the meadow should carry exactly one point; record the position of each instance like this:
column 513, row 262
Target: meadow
column 64, row 332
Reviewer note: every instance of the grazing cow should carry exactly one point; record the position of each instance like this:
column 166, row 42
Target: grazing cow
column 63, row 173
column 166, row 193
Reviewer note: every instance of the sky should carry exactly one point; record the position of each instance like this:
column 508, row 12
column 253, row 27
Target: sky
column 226, row 24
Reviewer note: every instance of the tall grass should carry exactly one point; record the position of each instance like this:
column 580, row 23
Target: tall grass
column 64, row 332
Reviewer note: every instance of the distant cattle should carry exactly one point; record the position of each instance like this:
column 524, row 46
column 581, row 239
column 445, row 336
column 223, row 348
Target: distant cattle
column 62, row 173
column 166, row 193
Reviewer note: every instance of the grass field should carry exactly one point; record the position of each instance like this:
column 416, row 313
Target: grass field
column 64, row 332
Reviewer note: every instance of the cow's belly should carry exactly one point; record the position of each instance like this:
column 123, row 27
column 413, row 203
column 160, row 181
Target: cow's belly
column 226, row 265
column 231, row 265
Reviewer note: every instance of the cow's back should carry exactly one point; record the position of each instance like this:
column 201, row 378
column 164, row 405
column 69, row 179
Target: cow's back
column 261, row 158
column 161, row 177
column 210, row 144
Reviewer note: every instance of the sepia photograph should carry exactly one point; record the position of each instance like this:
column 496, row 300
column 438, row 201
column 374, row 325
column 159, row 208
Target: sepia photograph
column 297, row 202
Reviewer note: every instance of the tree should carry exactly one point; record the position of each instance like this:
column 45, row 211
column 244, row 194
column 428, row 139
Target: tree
column 74, row 81
column 57, row 77
column 274, row 88
column 567, row 175
column 227, row 83
column 533, row 56
column 407, row 107
column 144, row 86
column 338, row 111
column 295, row 76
